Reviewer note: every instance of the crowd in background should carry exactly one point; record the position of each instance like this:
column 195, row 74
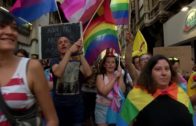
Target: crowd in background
column 66, row 90
column 108, row 78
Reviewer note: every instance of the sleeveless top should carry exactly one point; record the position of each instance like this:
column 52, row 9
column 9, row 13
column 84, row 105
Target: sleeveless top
column 102, row 99
column 16, row 92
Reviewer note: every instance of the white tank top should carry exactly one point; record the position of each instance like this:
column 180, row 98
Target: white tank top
column 16, row 92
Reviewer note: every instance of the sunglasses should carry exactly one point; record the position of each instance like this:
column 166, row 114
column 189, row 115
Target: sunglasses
column 144, row 58
column 174, row 59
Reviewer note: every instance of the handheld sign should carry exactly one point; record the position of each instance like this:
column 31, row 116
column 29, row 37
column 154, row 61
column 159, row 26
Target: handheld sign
column 50, row 34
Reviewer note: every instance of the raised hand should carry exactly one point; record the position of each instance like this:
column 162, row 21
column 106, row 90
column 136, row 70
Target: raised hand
column 76, row 47
column 129, row 38
column 117, row 73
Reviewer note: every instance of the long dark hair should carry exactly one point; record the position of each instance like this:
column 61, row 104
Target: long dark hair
column 145, row 79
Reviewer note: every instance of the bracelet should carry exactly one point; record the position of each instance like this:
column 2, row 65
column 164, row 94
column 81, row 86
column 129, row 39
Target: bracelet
column 80, row 53
column 77, row 53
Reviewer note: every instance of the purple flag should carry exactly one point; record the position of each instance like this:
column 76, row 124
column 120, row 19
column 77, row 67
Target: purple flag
column 31, row 10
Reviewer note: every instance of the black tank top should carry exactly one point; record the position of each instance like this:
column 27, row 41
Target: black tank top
column 164, row 111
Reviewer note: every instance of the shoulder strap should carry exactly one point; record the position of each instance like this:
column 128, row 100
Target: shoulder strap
column 6, row 110
column 14, row 116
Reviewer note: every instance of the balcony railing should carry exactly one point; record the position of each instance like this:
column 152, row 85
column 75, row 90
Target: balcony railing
column 156, row 11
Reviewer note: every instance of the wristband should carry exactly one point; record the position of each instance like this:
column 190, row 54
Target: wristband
column 77, row 53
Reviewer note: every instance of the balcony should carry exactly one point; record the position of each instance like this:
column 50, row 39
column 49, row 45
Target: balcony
column 161, row 11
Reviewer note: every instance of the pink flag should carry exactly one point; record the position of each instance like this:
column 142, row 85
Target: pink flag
column 79, row 10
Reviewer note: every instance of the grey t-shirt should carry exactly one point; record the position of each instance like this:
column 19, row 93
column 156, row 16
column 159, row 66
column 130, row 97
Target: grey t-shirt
column 69, row 83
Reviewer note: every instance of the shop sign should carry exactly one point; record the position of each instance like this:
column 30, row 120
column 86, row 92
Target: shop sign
column 190, row 21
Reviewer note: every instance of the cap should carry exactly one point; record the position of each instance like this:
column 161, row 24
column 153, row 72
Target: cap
column 110, row 52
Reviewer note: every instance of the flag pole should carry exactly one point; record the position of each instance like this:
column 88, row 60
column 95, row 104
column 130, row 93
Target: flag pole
column 93, row 16
column 129, row 21
column 58, row 12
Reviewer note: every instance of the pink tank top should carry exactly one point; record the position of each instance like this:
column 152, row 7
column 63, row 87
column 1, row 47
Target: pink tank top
column 16, row 92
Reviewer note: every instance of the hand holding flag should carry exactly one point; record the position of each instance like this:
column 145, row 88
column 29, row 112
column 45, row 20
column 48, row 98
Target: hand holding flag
column 129, row 38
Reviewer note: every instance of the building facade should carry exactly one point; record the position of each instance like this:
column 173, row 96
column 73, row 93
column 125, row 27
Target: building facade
column 150, row 15
column 180, row 29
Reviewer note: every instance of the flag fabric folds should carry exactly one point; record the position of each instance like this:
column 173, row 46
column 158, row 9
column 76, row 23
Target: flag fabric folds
column 191, row 90
column 31, row 10
column 120, row 13
column 139, row 45
column 138, row 99
column 82, row 10
column 105, row 11
column 79, row 10
column 118, row 98
column 99, row 36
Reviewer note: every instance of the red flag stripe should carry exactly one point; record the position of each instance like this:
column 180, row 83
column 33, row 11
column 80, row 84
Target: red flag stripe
column 15, row 96
column 15, row 81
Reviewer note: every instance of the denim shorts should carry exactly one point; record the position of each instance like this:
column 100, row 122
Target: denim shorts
column 100, row 113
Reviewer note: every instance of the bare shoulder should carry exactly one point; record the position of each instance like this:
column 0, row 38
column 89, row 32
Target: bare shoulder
column 35, row 71
column 34, row 64
column 55, row 66
column 99, row 76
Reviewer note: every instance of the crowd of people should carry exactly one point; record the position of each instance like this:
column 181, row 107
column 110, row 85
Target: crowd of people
column 146, row 90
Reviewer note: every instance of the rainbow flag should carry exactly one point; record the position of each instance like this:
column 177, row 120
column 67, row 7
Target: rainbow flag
column 79, row 10
column 31, row 10
column 137, row 99
column 120, row 11
column 99, row 36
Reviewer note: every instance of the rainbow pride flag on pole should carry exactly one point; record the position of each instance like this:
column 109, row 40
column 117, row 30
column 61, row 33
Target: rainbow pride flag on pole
column 31, row 10
column 138, row 99
column 99, row 36
column 120, row 12
column 79, row 10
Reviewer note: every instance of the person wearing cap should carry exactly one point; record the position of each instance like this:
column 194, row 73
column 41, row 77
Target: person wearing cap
column 175, row 62
column 22, row 79
column 109, row 82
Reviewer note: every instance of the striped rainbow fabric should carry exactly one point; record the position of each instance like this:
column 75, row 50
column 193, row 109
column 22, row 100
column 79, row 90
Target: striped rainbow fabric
column 79, row 10
column 137, row 99
column 99, row 36
column 119, row 10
